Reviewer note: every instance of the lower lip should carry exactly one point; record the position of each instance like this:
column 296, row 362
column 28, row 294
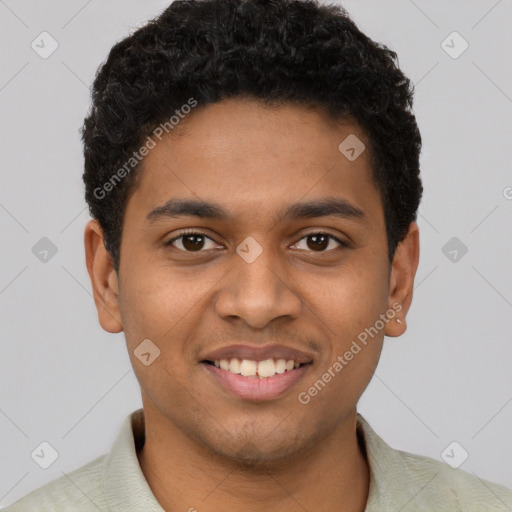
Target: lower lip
column 254, row 388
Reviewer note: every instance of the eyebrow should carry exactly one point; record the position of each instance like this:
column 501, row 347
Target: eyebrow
column 336, row 207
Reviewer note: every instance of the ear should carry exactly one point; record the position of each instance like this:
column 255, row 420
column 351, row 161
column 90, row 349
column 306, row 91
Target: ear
column 401, row 280
column 103, row 277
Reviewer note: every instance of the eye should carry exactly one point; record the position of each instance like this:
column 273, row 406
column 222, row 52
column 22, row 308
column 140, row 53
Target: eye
column 318, row 242
column 191, row 241
column 195, row 241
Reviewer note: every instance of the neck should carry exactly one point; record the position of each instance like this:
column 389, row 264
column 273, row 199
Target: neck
column 186, row 476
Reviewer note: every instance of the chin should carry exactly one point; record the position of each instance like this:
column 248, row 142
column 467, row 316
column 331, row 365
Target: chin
column 259, row 453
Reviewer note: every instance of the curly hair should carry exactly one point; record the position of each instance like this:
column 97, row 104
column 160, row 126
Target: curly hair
column 278, row 51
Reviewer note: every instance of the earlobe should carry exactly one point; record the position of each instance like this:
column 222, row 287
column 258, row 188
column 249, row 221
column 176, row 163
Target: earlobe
column 103, row 277
column 401, row 282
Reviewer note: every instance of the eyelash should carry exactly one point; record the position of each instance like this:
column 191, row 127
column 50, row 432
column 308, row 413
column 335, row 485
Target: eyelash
column 192, row 232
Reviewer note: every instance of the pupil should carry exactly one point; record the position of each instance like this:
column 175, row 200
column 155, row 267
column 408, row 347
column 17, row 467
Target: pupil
column 319, row 242
column 193, row 242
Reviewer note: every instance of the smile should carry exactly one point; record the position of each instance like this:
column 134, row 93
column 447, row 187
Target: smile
column 256, row 380
column 250, row 368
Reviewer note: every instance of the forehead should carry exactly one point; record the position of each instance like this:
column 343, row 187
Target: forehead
column 253, row 159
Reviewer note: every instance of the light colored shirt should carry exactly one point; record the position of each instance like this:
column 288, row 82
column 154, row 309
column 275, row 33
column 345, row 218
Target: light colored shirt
column 399, row 481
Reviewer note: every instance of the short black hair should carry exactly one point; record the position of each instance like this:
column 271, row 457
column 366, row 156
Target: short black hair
column 278, row 51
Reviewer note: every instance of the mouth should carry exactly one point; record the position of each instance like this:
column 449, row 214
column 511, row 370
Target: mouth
column 265, row 369
column 255, row 375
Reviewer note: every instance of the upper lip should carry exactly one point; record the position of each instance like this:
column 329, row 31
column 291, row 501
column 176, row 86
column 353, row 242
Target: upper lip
column 259, row 353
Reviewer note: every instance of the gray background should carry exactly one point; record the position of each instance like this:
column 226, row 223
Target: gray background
column 65, row 381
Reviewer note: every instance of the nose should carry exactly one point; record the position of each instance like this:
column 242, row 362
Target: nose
column 257, row 292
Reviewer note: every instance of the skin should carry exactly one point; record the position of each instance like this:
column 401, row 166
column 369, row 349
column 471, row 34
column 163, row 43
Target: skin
column 206, row 448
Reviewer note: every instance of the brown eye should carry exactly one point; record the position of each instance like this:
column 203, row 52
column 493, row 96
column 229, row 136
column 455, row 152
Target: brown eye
column 191, row 242
column 319, row 242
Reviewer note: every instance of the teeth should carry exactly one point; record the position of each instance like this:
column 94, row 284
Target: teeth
column 248, row 368
column 266, row 368
column 280, row 365
column 261, row 369
column 234, row 366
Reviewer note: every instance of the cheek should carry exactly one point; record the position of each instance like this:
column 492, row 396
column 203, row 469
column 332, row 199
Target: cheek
column 163, row 305
column 354, row 297
column 349, row 319
column 157, row 314
column 350, row 309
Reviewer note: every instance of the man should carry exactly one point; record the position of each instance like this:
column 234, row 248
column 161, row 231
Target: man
column 252, row 170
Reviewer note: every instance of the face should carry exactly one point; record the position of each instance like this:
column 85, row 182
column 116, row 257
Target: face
column 254, row 278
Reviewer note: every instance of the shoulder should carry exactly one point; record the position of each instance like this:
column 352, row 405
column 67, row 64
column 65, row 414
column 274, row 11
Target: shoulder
column 411, row 483
column 453, row 489
column 80, row 490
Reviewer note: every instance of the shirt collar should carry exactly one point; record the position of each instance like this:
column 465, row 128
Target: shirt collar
column 125, row 485
column 127, row 489
column 385, row 465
